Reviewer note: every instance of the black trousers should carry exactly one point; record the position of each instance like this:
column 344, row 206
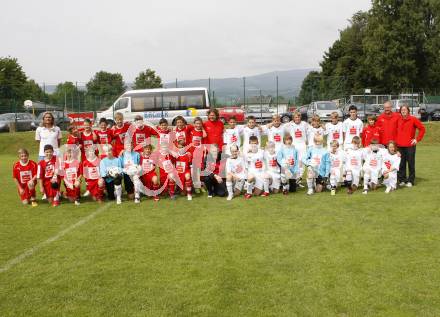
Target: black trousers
column 110, row 186
column 213, row 187
column 407, row 157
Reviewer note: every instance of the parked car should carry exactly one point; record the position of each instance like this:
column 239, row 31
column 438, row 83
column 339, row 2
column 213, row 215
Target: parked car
column 23, row 120
column 288, row 116
column 61, row 120
column 430, row 112
column 231, row 112
column 262, row 113
column 323, row 109
column 370, row 109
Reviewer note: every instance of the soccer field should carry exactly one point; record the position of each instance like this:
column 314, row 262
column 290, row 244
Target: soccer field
column 374, row 255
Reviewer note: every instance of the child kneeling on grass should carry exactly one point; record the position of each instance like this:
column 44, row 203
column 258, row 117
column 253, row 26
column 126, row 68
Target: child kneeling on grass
column 24, row 173
column 288, row 159
column 110, row 170
column 47, row 176
column 235, row 172
column 390, row 167
column 317, row 161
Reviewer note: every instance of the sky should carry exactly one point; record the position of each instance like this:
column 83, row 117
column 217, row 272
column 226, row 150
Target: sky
column 58, row 40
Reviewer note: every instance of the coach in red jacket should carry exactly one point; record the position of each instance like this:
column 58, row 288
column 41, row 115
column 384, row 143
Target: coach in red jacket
column 214, row 129
column 387, row 123
column 406, row 141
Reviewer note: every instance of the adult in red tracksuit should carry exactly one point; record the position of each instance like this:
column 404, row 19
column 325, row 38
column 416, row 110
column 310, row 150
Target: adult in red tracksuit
column 214, row 129
column 406, row 141
column 387, row 123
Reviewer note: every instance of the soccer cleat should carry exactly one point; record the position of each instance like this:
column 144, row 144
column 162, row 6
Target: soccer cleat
column 285, row 192
column 365, row 192
column 402, row 184
column 230, row 197
column 409, row 185
column 34, row 203
column 137, row 200
column 55, row 203
column 388, row 190
column 247, row 196
column 156, row 198
column 173, row 197
column 209, row 195
column 87, row 193
column 189, row 197
column 264, row 194
column 118, row 201
column 349, row 190
column 333, row 192
column 310, row 191
column 44, row 197
column 77, row 203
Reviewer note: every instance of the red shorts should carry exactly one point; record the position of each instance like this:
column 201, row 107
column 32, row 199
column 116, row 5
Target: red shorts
column 28, row 193
column 49, row 191
column 72, row 193
column 94, row 189
column 147, row 179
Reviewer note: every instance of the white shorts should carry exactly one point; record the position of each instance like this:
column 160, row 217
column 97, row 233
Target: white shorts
column 258, row 179
column 275, row 180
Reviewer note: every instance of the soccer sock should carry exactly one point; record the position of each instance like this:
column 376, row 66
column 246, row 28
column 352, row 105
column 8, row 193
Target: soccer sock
column 266, row 185
column 229, row 187
column 118, row 191
column 250, row 188
column 171, row 187
column 310, row 183
column 188, row 185
column 285, row 186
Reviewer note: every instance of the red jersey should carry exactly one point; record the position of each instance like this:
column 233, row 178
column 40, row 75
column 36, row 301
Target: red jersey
column 147, row 164
column 183, row 134
column 119, row 137
column 104, row 137
column 87, row 140
column 24, row 173
column 196, row 138
column 388, row 127
column 90, row 169
column 214, row 131
column 370, row 133
column 183, row 163
column 47, row 169
column 71, row 139
column 406, row 131
column 142, row 136
column 71, row 171
column 165, row 136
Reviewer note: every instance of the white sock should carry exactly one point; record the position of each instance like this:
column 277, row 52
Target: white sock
column 310, row 183
column 118, row 191
column 266, row 185
column 229, row 187
column 286, row 186
column 250, row 188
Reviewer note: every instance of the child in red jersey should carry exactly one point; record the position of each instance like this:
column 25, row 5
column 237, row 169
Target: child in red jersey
column 149, row 177
column 94, row 182
column 119, row 132
column 70, row 171
column 104, row 136
column 74, row 136
column 141, row 135
column 371, row 131
column 164, row 134
column 167, row 170
column 196, row 136
column 47, row 176
column 182, row 130
column 24, row 173
column 183, row 163
column 88, row 137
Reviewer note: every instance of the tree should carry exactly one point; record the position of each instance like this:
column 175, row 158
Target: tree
column 105, row 87
column 65, row 93
column 310, row 88
column 147, row 80
column 12, row 80
column 33, row 91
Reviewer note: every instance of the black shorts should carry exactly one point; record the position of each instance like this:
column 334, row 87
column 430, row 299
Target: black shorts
column 128, row 184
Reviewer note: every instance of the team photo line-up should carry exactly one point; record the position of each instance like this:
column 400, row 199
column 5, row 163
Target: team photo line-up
column 222, row 161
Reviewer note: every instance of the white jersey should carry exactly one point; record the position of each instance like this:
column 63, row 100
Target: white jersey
column 247, row 133
column 271, row 162
column 353, row 159
column 275, row 135
column 232, row 136
column 312, row 132
column 298, row 132
column 334, row 132
column 352, row 128
column 236, row 166
column 255, row 162
column 373, row 160
column 390, row 161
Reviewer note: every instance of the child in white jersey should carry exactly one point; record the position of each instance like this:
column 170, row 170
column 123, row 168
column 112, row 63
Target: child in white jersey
column 315, row 129
column 273, row 172
column 372, row 166
column 351, row 127
column 235, row 172
column 232, row 135
column 275, row 132
column 390, row 167
column 251, row 129
column 333, row 131
column 337, row 161
column 353, row 165
column 256, row 168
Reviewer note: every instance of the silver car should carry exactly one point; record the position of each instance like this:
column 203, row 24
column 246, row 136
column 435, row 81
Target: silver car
column 23, row 121
column 323, row 109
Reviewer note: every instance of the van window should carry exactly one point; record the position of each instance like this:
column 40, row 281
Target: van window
column 121, row 104
column 170, row 102
column 192, row 101
column 142, row 103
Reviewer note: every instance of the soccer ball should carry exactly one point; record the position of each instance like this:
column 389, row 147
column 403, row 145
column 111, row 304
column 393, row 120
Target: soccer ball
column 132, row 170
column 114, row 171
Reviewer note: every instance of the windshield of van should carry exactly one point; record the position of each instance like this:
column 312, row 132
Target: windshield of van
column 326, row 106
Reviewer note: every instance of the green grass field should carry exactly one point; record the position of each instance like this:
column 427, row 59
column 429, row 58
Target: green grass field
column 374, row 255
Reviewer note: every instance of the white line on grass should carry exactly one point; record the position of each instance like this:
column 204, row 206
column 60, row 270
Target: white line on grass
column 11, row 263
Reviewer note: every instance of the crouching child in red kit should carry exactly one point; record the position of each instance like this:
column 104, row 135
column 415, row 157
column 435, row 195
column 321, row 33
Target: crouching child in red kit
column 24, row 173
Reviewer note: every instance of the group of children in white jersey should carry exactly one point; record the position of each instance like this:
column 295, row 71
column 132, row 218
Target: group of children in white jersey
column 296, row 149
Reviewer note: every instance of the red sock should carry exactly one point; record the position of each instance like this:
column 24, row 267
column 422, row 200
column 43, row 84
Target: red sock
column 171, row 187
